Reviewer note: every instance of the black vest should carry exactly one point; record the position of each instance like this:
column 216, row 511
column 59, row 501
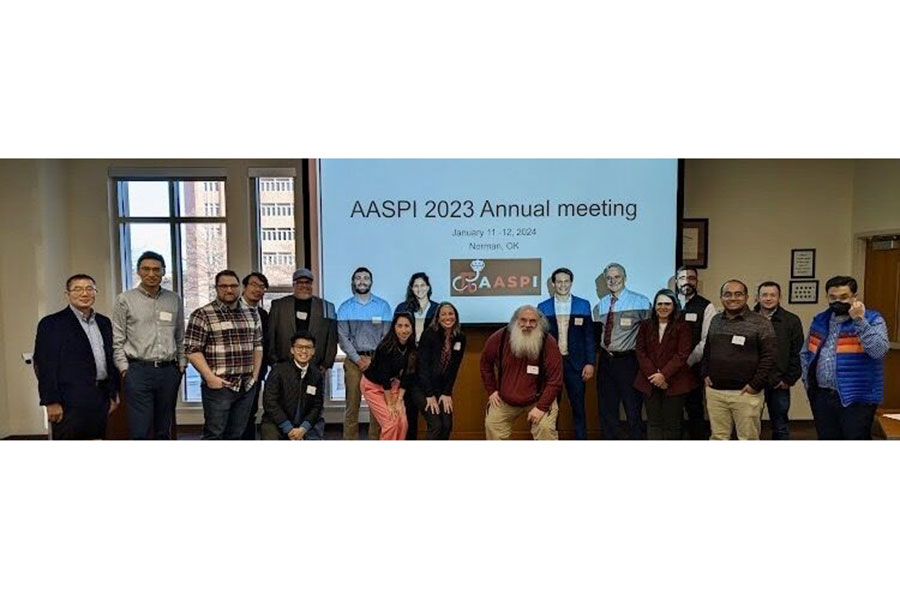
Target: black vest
column 696, row 305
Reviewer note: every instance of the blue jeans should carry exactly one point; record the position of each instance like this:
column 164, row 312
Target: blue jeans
column 837, row 422
column 225, row 412
column 575, row 391
column 150, row 395
column 779, row 402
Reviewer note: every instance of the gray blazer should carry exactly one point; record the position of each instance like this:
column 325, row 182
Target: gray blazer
column 322, row 325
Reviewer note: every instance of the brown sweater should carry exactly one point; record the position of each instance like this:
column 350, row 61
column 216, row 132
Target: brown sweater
column 519, row 387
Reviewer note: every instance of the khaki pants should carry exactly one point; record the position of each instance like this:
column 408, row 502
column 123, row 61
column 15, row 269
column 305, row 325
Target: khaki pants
column 729, row 408
column 498, row 422
column 353, row 398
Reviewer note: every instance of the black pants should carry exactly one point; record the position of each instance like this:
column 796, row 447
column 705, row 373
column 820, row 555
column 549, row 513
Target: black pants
column 250, row 430
column 664, row 415
column 439, row 425
column 85, row 420
column 615, row 385
column 837, row 422
column 697, row 425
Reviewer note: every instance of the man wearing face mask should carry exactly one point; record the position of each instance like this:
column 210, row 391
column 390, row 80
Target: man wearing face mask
column 843, row 364
column 571, row 326
column 789, row 337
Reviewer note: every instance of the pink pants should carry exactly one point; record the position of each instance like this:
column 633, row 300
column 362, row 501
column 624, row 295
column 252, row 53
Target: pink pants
column 392, row 427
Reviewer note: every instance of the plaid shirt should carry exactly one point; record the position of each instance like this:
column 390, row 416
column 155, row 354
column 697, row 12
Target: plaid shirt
column 227, row 339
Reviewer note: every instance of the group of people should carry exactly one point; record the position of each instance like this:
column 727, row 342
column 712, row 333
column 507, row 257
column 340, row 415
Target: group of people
column 675, row 356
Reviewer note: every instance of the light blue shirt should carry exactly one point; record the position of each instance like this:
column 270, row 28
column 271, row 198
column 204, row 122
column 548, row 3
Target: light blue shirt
column 361, row 327
column 629, row 310
column 92, row 330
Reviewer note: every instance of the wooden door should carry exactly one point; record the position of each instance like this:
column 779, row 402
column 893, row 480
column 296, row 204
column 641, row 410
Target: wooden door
column 882, row 293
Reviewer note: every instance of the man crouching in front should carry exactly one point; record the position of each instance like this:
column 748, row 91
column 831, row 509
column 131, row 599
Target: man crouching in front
column 521, row 368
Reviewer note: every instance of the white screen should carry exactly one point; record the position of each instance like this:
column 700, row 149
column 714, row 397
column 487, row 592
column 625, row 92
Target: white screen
column 397, row 217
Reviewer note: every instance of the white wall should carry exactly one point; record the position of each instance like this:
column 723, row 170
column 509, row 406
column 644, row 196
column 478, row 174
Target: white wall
column 758, row 211
column 876, row 196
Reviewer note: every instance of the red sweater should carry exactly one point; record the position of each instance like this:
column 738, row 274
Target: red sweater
column 519, row 387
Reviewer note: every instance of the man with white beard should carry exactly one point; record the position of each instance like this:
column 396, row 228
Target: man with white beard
column 521, row 368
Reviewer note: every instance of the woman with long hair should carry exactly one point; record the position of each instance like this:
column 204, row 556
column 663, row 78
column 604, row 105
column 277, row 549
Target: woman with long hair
column 418, row 302
column 390, row 374
column 440, row 353
column 419, row 305
column 663, row 346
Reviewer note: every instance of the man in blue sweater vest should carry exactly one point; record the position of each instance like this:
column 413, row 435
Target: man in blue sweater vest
column 843, row 364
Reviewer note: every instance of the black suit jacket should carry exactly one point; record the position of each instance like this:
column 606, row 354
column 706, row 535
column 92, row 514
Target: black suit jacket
column 286, row 396
column 283, row 324
column 64, row 362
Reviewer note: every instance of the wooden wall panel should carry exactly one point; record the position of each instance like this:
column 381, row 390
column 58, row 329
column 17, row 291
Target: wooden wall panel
column 882, row 293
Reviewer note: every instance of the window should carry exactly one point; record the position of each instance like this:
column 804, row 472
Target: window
column 185, row 222
column 277, row 226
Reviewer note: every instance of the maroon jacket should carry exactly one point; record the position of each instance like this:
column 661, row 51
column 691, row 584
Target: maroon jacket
column 669, row 357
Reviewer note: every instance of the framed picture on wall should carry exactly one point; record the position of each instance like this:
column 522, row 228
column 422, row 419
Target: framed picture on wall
column 803, row 263
column 804, row 291
column 695, row 243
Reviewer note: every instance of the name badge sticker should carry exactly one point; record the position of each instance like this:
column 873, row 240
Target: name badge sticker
column 579, row 321
column 302, row 315
column 532, row 369
column 311, row 389
column 165, row 316
column 738, row 340
column 376, row 320
column 457, row 346
column 625, row 321
column 227, row 325
column 692, row 317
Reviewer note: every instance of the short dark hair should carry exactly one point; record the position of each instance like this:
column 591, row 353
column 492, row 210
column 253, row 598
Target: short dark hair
column 841, row 281
column 246, row 281
column 676, row 306
column 361, row 270
column 686, row 268
column 79, row 276
column 561, row 270
column 744, row 285
column 226, row 273
column 768, row 284
column 303, row 335
column 151, row 255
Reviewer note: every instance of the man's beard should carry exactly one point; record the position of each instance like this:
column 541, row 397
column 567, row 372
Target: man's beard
column 688, row 290
column 526, row 345
column 361, row 289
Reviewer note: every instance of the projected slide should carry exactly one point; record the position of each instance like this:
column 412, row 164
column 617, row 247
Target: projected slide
column 490, row 232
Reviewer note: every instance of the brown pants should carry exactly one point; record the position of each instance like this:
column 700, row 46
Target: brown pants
column 730, row 408
column 498, row 423
column 353, row 398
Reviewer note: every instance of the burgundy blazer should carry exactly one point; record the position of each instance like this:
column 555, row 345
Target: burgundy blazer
column 669, row 357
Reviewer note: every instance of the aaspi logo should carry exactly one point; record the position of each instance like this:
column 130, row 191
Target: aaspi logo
column 495, row 277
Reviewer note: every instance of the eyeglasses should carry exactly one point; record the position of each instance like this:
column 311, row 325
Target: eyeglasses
column 304, row 348
column 257, row 285
column 733, row 295
column 228, row 287
column 81, row 290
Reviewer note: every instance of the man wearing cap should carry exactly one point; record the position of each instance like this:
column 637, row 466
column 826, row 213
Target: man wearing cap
column 303, row 313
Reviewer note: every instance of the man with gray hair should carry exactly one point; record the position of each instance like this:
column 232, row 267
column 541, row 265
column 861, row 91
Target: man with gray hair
column 618, row 317
column 521, row 368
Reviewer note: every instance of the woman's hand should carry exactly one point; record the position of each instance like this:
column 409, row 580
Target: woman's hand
column 431, row 405
column 446, row 403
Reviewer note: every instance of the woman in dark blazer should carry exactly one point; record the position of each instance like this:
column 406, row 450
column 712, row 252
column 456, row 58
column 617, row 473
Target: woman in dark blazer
column 663, row 346
column 439, row 356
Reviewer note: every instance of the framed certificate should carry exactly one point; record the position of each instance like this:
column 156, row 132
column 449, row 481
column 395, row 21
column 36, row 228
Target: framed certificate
column 803, row 263
column 695, row 243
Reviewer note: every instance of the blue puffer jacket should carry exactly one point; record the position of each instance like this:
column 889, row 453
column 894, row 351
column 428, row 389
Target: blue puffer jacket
column 860, row 377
